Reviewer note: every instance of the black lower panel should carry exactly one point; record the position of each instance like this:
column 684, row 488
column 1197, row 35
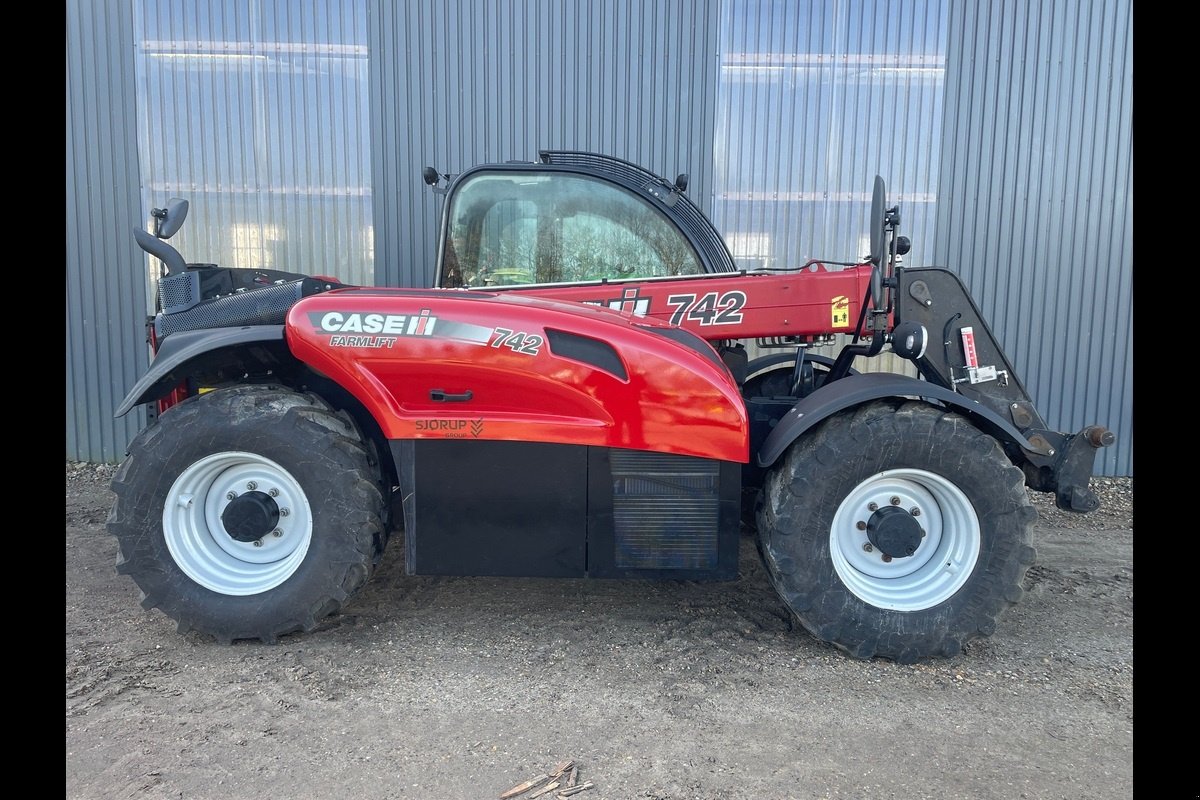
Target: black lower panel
column 498, row 508
column 532, row 509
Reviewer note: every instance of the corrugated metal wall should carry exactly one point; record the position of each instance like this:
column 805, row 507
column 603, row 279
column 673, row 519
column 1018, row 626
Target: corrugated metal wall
column 257, row 113
column 459, row 82
column 1036, row 196
column 817, row 98
column 106, row 349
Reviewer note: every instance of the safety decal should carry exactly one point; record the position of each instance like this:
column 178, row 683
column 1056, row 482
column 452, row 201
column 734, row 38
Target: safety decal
column 840, row 307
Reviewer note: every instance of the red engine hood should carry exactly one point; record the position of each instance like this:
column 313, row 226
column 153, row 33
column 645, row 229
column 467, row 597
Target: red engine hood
column 456, row 364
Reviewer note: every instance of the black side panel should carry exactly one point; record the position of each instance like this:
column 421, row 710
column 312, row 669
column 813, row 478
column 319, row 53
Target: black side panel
column 765, row 413
column 495, row 508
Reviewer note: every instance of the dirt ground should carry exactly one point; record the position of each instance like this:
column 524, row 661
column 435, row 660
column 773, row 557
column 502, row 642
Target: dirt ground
column 460, row 688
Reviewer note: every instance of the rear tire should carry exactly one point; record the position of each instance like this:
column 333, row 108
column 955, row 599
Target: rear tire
column 248, row 512
column 829, row 516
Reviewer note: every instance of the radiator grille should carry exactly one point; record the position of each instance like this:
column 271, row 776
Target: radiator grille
column 665, row 510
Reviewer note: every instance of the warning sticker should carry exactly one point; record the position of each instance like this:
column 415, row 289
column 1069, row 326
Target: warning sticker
column 840, row 306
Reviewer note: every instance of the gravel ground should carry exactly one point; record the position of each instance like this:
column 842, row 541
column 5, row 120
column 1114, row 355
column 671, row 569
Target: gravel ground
column 460, row 688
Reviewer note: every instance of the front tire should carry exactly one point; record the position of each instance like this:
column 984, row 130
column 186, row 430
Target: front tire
column 771, row 376
column 248, row 512
column 896, row 530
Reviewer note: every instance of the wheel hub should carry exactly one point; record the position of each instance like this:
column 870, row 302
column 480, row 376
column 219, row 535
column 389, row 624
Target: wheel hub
column 894, row 532
column 250, row 516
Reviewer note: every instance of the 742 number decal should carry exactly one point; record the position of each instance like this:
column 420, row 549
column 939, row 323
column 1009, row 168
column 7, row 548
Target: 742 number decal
column 517, row 341
column 707, row 309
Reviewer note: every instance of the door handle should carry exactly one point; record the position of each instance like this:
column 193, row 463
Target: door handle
column 442, row 396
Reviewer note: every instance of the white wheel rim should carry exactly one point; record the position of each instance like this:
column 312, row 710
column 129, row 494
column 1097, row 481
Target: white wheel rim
column 942, row 562
column 202, row 548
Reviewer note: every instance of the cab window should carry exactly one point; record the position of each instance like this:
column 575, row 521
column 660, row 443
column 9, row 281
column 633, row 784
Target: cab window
column 516, row 228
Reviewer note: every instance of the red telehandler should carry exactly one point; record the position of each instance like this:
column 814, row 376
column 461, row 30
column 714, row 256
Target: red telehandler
column 574, row 398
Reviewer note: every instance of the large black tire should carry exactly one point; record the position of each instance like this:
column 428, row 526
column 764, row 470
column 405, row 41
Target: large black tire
column 309, row 522
column 970, row 547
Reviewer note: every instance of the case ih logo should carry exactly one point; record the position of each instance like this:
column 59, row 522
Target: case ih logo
column 631, row 301
column 379, row 330
column 419, row 324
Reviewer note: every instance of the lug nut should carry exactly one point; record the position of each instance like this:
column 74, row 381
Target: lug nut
column 887, row 559
column 872, row 506
column 277, row 533
column 230, row 495
column 251, row 486
column 258, row 542
column 273, row 492
column 916, row 512
column 895, row 501
column 862, row 526
column 867, row 547
column 283, row 512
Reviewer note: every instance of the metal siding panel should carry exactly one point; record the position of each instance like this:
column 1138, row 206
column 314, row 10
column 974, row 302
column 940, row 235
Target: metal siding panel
column 105, row 349
column 505, row 79
column 815, row 99
column 1035, row 209
column 258, row 116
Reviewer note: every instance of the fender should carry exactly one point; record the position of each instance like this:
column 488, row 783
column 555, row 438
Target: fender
column 192, row 348
column 854, row 390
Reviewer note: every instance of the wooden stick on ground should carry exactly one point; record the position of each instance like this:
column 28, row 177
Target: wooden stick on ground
column 549, row 787
column 565, row 793
column 521, row 788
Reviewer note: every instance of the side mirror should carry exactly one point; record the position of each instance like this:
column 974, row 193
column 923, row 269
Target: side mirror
column 878, row 239
column 168, row 221
column 681, row 182
column 430, row 176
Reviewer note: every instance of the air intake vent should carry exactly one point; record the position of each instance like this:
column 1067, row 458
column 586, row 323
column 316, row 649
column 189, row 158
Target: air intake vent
column 665, row 510
column 266, row 306
column 590, row 351
column 178, row 292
